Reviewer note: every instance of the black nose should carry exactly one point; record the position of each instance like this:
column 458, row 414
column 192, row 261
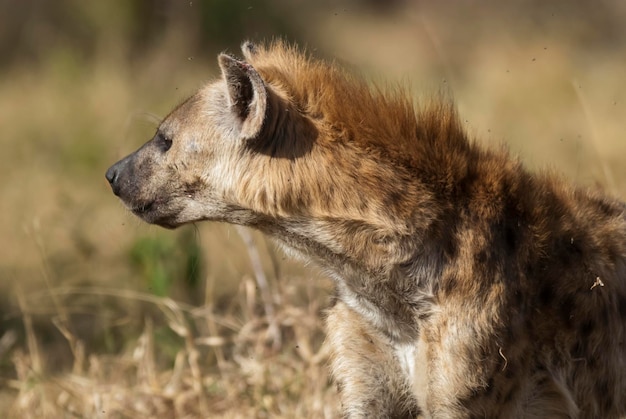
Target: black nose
column 112, row 176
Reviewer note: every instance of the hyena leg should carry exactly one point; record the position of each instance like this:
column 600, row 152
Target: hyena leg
column 365, row 368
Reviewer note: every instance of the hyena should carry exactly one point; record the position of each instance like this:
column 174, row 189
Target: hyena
column 466, row 286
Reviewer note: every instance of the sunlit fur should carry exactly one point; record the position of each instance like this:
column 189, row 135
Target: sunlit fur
column 466, row 285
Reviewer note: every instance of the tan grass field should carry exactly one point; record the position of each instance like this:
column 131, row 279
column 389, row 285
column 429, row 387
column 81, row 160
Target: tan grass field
column 105, row 317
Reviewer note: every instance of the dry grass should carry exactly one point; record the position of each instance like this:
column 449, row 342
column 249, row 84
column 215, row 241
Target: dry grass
column 83, row 333
column 248, row 360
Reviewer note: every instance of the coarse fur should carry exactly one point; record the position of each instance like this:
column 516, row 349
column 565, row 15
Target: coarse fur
column 466, row 285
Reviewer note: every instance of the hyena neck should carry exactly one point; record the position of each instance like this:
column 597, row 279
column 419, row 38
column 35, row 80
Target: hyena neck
column 385, row 245
column 391, row 284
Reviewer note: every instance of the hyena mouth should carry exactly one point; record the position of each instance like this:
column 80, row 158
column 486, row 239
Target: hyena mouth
column 152, row 212
column 143, row 209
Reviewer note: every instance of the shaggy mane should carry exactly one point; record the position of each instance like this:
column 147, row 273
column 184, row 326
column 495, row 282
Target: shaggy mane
column 369, row 115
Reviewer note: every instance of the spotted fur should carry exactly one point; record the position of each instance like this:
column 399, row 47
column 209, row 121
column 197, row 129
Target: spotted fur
column 467, row 287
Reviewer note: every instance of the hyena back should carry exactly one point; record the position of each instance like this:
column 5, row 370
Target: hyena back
column 465, row 285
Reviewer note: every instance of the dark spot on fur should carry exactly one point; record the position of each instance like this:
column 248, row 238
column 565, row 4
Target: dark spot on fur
column 607, row 208
column 578, row 350
column 510, row 238
column 302, row 201
column 587, row 328
column 363, row 206
column 603, row 392
column 340, row 385
column 451, row 248
column 546, row 294
column 498, row 396
column 193, row 187
column 489, row 389
column 330, row 191
column 448, row 284
column 393, row 199
column 603, row 386
column 591, row 362
column 511, row 370
column 510, row 394
column 621, row 303
column 529, row 270
column 568, row 249
column 481, row 257
column 543, row 381
column 566, row 310
column 574, row 247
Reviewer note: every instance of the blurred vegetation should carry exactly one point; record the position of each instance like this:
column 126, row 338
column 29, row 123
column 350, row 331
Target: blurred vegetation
column 80, row 31
column 103, row 316
column 161, row 261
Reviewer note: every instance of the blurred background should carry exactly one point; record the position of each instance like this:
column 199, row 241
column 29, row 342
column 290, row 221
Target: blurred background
column 104, row 316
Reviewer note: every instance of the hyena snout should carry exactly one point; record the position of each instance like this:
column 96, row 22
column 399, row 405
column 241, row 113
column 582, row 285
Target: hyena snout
column 115, row 175
column 130, row 179
column 133, row 180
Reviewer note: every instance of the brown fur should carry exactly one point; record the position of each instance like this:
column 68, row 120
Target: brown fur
column 466, row 286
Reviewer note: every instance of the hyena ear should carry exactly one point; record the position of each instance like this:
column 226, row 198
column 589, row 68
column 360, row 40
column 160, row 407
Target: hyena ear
column 247, row 94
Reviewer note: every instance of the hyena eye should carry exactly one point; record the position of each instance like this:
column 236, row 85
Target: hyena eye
column 164, row 143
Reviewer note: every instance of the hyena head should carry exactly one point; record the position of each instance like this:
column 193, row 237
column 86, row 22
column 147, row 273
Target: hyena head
column 199, row 165
column 300, row 150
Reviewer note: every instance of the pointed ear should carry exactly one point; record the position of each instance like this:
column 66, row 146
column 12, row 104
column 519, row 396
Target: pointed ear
column 247, row 94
